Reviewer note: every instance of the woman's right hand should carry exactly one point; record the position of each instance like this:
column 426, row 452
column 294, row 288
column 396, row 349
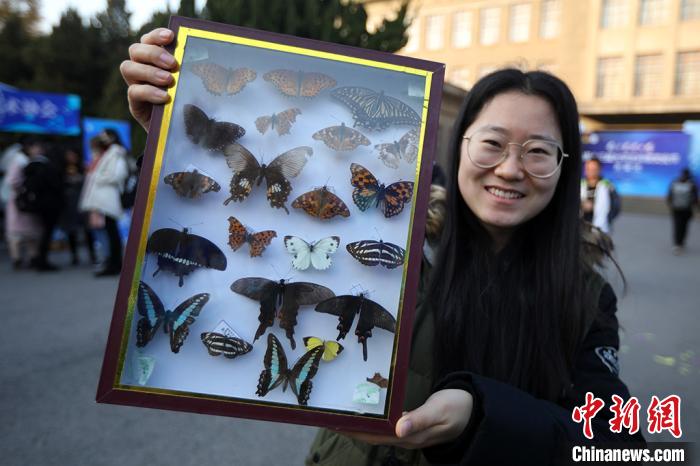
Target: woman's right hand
column 147, row 72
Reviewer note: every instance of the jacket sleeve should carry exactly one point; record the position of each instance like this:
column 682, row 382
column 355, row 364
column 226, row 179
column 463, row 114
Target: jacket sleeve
column 112, row 169
column 510, row 426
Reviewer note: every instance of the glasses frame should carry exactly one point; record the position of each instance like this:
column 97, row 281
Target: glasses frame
column 505, row 153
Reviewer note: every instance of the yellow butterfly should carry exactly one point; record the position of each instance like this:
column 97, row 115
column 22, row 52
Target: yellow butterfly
column 331, row 348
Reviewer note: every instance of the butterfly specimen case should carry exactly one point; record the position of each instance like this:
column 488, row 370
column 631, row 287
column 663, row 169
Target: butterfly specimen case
column 273, row 262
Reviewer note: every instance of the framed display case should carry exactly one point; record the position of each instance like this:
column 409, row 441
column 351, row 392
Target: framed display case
column 273, row 261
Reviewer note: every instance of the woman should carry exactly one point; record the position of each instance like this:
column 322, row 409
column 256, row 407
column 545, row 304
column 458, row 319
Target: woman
column 72, row 221
column 101, row 194
column 515, row 326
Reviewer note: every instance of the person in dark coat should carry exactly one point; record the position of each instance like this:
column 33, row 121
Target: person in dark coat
column 682, row 198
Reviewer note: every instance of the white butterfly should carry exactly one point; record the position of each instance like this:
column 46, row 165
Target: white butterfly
column 316, row 254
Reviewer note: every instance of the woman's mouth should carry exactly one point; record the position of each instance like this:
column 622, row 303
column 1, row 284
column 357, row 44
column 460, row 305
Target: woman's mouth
column 504, row 193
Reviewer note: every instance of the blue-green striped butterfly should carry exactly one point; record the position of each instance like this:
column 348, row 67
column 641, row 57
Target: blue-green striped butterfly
column 176, row 323
column 276, row 371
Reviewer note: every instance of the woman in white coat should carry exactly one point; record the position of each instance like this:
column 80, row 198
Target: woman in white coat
column 101, row 196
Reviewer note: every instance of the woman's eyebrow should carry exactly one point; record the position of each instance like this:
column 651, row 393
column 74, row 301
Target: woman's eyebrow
column 505, row 131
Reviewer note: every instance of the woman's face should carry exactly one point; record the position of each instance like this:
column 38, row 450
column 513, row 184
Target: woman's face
column 506, row 196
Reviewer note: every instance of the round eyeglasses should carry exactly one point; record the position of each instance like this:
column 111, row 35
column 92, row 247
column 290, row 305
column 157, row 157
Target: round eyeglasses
column 540, row 158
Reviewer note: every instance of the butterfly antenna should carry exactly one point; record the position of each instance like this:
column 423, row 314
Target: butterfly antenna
column 377, row 230
column 176, row 222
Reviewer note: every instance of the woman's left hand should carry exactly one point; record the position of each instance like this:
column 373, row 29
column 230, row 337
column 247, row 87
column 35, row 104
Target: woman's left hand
column 440, row 419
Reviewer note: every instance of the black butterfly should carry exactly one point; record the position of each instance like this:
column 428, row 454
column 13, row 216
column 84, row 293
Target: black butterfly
column 373, row 253
column 277, row 372
column 371, row 315
column 247, row 172
column 374, row 110
column 230, row 347
column 176, row 323
column 287, row 297
column 213, row 135
column 180, row 253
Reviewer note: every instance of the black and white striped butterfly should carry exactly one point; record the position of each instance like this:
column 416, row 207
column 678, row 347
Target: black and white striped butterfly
column 230, row 347
column 373, row 253
column 176, row 323
column 277, row 372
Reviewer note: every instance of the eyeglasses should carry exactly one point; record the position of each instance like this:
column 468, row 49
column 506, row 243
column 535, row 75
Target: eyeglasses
column 540, row 158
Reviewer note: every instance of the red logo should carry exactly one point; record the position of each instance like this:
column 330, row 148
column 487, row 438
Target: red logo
column 587, row 412
column 665, row 415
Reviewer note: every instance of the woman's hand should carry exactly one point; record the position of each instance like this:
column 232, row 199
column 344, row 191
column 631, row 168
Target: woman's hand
column 147, row 72
column 440, row 419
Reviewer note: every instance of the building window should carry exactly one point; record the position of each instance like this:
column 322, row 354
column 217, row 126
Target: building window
column 413, row 33
column 652, row 12
column 688, row 73
column 519, row 22
column 690, row 10
column 462, row 29
column 461, row 77
column 613, row 14
column 550, row 18
column 648, row 72
column 610, row 77
column 434, row 32
column 490, row 26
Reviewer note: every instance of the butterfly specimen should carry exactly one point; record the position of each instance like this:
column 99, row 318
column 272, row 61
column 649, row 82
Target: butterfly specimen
column 331, row 349
column 298, row 83
column 175, row 323
column 321, row 203
column 378, row 380
column 281, row 121
column 180, row 252
column 219, row 80
column 191, row 184
column 405, row 148
column 316, row 254
column 390, row 199
column 247, row 172
column 238, row 234
column 341, row 138
column 371, row 315
column 277, row 372
column 287, row 297
column 213, row 135
column 374, row 110
column 230, row 347
column 372, row 253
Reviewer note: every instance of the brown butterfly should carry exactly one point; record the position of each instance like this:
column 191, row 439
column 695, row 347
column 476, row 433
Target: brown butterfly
column 219, row 80
column 378, row 380
column 298, row 83
column 321, row 203
column 239, row 234
column 191, row 184
column 281, row 121
column 247, row 172
column 405, row 148
column 213, row 135
column 341, row 138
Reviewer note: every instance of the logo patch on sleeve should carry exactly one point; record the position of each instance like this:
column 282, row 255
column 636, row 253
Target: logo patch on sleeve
column 608, row 355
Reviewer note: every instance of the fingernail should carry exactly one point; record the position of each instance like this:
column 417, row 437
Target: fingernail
column 167, row 59
column 405, row 428
column 163, row 75
column 160, row 93
column 165, row 34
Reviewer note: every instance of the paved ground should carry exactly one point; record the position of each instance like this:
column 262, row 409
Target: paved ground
column 54, row 328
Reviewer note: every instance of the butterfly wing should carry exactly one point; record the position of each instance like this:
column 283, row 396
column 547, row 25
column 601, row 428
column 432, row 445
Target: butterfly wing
column 246, row 171
column 300, row 249
column 202, row 253
column 345, row 307
column 285, row 119
column 409, row 146
column 213, row 76
column 284, row 80
column 321, row 251
column 277, row 174
column 372, row 253
column 321, row 203
column 389, row 154
column 396, row 195
column 168, row 246
column 366, row 186
column 331, row 349
column 230, row 347
column 295, row 295
column 263, row 123
column 151, row 309
column 182, row 317
column 211, row 134
column 374, row 110
column 266, row 293
column 236, row 233
column 191, row 184
column 275, row 363
column 372, row 315
column 299, row 377
column 238, row 78
column 259, row 241
column 313, row 83
column 341, row 138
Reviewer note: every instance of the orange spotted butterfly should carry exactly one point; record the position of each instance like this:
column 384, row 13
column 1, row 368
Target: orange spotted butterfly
column 321, row 203
column 281, row 121
column 341, row 138
column 390, row 199
column 213, row 135
column 298, row 83
column 239, row 234
column 191, row 184
column 247, row 172
column 219, row 80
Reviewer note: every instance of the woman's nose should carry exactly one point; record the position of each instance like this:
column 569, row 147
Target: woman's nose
column 512, row 167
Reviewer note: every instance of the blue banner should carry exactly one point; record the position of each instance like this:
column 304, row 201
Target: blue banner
column 693, row 129
column 93, row 126
column 639, row 163
column 39, row 112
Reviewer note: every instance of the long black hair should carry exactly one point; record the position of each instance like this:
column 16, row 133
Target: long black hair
column 518, row 314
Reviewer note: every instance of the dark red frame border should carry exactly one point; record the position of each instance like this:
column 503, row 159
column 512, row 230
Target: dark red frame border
column 107, row 392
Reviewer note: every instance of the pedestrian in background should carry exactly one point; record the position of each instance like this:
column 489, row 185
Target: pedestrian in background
column 682, row 197
column 101, row 197
column 596, row 196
